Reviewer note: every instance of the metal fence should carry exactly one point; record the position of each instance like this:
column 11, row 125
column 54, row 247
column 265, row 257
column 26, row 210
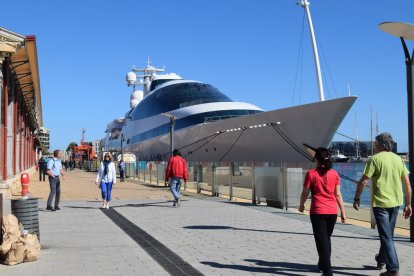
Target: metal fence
column 276, row 184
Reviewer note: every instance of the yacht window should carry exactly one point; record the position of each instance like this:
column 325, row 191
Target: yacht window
column 115, row 134
column 176, row 96
column 156, row 83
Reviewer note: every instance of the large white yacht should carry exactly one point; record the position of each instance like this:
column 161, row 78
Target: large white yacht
column 209, row 126
column 206, row 125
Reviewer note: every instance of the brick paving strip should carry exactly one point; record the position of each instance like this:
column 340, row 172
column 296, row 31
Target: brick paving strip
column 170, row 261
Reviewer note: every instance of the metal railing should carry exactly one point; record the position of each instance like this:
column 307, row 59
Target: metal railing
column 276, row 184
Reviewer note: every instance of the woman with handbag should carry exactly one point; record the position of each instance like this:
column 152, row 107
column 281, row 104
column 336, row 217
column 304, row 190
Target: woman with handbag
column 106, row 178
column 323, row 182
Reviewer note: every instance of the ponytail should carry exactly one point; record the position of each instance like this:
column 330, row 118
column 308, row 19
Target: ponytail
column 323, row 155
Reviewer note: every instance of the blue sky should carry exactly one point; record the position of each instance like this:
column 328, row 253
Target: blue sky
column 250, row 50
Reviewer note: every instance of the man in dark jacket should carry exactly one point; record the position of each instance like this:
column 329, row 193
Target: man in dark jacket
column 176, row 172
column 42, row 168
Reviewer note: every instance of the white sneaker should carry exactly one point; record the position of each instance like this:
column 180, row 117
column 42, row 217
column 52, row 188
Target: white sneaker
column 107, row 205
column 103, row 206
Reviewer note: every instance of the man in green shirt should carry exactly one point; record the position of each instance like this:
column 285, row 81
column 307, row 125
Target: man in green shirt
column 387, row 171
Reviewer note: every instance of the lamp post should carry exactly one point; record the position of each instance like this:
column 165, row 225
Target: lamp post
column 122, row 142
column 172, row 124
column 406, row 31
column 88, row 161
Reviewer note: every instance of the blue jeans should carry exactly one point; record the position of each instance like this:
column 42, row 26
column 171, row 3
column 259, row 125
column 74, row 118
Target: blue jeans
column 386, row 218
column 106, row 189
column 175, row 186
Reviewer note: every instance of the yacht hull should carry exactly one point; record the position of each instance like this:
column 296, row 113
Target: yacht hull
column 267, row 136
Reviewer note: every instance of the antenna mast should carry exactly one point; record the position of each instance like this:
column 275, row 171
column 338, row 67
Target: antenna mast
column 83, row 136
column 147, row 75
column 372, row 141
column 305, row 4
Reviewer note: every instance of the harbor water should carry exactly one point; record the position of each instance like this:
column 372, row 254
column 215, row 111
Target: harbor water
column 353, row 171
column 348, row 188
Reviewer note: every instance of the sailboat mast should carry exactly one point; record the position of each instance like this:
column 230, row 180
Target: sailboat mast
column 305, row 5
column 372, row 141
column 357, row 138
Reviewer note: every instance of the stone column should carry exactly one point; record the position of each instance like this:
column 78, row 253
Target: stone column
column 1, row 119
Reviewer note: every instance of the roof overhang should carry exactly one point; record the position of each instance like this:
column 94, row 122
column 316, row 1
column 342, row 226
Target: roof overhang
column 25, row 65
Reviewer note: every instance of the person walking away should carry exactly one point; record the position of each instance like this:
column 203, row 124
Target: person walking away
column 324, row 185
column 176, row 172
column 121, row 168
column 107, row 178
column 42, row 165
column 387, row 170
column 54, row 171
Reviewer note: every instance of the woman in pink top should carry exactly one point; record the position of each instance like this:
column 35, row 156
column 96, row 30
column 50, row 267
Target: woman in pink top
column 323, row 182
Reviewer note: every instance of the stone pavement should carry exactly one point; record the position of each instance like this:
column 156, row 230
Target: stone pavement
column 210, row 236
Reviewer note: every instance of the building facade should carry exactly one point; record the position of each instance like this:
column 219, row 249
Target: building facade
column 21, row 109
column 97, row 147
column 44, row 137
column 353, row 149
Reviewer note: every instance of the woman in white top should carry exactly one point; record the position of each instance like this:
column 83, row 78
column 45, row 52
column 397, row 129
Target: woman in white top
column 106, row 177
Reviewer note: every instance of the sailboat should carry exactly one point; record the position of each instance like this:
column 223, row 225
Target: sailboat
column 357, row 157
column 339, row 157
column 206, row 125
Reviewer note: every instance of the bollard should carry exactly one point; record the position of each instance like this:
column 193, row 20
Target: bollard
column 24, row 180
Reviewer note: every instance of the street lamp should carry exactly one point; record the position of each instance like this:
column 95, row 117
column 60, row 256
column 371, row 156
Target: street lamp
column 404, row 30
column 122, row 141
column 172, row 123
column 89, row 164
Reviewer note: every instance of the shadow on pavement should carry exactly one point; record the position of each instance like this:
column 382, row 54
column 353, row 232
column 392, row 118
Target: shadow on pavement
column 401, row 239
column 285, row 269
column 282, row 268
column 151, row 185
column 80, row 207
column 239, row 203
column 313, row 268
column 223, row 227
column 163, row 204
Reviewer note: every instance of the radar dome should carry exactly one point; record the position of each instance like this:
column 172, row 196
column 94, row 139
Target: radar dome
column 131, row 78
column 136, row 98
